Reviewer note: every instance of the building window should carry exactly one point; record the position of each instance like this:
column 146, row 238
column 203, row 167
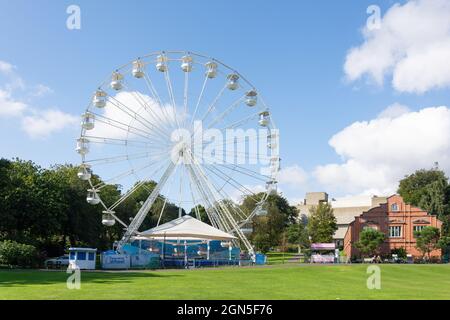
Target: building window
column 91, row 256
column 395, row 232
column 417, row 229
column 81, row 256
column 394, row 207
column 72, row 255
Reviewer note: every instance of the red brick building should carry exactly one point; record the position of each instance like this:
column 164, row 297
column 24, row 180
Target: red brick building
column 398, row 221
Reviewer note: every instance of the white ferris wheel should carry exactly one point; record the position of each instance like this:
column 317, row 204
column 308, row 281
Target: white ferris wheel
column 193, row 125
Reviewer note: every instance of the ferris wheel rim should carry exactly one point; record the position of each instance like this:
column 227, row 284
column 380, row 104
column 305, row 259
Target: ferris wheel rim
column 195, row 202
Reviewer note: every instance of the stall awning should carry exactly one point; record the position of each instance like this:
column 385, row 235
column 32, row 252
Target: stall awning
column 323, row 246
column 187, row 228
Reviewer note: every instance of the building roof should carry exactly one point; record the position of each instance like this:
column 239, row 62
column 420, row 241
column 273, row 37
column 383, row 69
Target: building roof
column 187, row 228
column 353, row 201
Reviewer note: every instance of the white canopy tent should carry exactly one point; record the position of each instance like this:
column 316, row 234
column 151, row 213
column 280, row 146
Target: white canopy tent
column 186, row 228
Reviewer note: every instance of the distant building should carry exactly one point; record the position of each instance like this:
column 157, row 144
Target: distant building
column 397, row 220
column 344, row 209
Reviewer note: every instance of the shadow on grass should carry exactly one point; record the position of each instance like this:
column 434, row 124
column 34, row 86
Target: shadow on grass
column 29, row 278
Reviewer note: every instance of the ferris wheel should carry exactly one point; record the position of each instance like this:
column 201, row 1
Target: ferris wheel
column 193, row 125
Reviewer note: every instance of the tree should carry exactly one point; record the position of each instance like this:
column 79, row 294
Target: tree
column 427, row 240
column 429, row 190
column 370, row 241
column 297, row 234
column 202, row 212
column 322, row 223
column 268, row 229
column 415, row 187
column 262, row 242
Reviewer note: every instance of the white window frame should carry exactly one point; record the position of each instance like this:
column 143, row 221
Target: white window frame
column 417, row 227
column 393, row 232
column 396, row 207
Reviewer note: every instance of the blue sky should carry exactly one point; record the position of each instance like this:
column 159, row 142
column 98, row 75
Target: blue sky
column 293, row 51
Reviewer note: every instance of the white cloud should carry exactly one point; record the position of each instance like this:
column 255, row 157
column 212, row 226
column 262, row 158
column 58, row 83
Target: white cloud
column 293, row 176
column 9, row 107
column 6, row 67
column 394, row 111
column 412, row 45
column 47, row 122
column 37, row 123
column 378, row 153
column 41, row 90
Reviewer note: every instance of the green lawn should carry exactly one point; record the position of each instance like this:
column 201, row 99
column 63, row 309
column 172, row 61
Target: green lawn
column 270, row 282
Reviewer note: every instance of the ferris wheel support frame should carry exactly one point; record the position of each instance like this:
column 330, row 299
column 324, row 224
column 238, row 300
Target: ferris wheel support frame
column 144, row 210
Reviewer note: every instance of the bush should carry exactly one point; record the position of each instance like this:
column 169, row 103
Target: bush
column 400, row 252
column 17, row 254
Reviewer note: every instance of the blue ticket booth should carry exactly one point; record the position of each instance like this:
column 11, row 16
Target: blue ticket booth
column 82, row 258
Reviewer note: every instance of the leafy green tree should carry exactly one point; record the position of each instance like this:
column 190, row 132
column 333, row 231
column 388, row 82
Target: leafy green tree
column 370, row 241
column 297, row 234
column 262, row 240
column 81, row 222
column 273, row 201
column 429, row 190
column 268, row 229
column 433, row 199
column 322, row 223
column 31, row 205
column 413, row 188
column 202, row 211
column 427, row 240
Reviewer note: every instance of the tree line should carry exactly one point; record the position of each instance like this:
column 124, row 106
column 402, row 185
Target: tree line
column 46, row 208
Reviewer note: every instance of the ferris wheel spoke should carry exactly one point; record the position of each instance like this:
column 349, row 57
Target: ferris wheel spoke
column 171, row 95
column 121, row 142
column 212, row 106
column 241, row 122
column 133, row 115
column 216, row 196
column 234, row 140
column 120, row 158
column 239, row 212
column 246, row 171
column 229, row 218
column 210, row 208
column 233, row 154
column 157, row 120
column 126, row 195
column 225, row 113
column 205, row 81
column 186, row 96
column 135, row 188
column 156, row 96
column 232, row 181
column 123, row 175
column 122, row 126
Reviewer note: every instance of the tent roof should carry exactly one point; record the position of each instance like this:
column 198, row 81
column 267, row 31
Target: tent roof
column 186, row 227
